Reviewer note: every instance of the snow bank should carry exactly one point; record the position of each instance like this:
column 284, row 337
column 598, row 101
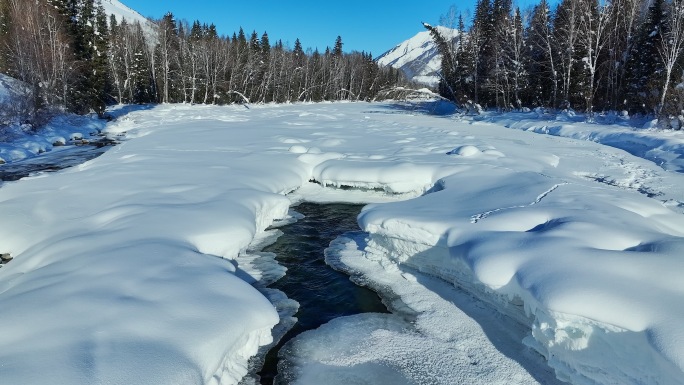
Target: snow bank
column 117, row 276
column 451, row 338
column 597, row 272
column 664, row 147
column 18, row 142
column 391, row 177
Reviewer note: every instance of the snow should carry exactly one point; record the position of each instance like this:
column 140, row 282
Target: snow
column 418, row 57
column 8, row 87
column 18, row 142
column 665, row 147
column 136, row 267
column 442, row 345
column 121, row 12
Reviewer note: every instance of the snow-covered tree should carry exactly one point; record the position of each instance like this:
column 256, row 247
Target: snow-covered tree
column 670, row 49
column 594, row 20
column 645, row 67
column 541, row 58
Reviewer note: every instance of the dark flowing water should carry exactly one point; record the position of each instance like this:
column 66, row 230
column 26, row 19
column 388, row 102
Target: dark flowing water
column 323, row 293
column 50, row 161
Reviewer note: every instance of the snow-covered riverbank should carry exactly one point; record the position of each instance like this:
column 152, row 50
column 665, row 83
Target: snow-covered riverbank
column 127, row 268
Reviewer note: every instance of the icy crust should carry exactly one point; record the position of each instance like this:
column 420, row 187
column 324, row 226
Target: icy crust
column 575, row 269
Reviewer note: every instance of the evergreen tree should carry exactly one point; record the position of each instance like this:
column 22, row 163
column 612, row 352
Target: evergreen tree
column 482, row 33
column 141, row 79
column 465, row 65
column 448, row 82
column 298, row 71
column 166, row 50
column 101, row 81
column 84, row 96
column 337, row 48
column 498, row 81
column 644, row 70
column 541, row 63
column 566, row 36
column 5, row 21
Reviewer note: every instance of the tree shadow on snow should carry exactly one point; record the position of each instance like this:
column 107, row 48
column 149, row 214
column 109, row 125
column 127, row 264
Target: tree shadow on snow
column 123, row 110
column 427, row 107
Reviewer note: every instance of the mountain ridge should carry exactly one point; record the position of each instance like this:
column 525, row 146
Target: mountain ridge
column 418, row 57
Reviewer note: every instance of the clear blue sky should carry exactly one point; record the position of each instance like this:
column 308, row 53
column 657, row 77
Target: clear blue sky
column 365, row 25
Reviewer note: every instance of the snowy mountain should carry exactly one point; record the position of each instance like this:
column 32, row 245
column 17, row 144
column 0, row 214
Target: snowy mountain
column 121, row 11
column 417, row 57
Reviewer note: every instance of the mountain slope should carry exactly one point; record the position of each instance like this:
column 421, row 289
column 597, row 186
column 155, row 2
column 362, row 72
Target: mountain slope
column 121, row 11
column 418, row 57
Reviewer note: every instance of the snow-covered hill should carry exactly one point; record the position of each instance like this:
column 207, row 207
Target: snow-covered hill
column 417, row 57
column 121, row 11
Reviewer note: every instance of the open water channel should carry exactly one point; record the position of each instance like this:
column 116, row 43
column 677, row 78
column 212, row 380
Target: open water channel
column 323, row 293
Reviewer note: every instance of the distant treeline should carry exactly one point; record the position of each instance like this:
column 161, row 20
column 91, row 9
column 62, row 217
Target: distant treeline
column 72, row 56
column 590, row 55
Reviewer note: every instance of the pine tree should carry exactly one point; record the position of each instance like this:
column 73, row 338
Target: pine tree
column 4, row 32
column 448, row 82
column 481, row 35
column 84, row 96
column 566, row 36
column 465, row 65
column 516, row 59
column 264, row 73
column 337, row 48
column 166, row 50
column 497, row 75
column 298, row 71
column 623, row 25
column 101, row 81
column 541, row 61
column 643, row 69
column 141, row 79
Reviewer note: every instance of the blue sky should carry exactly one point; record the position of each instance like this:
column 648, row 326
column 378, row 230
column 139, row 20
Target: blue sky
column 365, row 25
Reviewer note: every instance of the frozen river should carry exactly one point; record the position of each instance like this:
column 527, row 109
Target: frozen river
column 506, row 256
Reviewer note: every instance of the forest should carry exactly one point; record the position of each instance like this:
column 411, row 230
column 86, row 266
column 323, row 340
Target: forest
column 72, row 57
column 587, row 55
